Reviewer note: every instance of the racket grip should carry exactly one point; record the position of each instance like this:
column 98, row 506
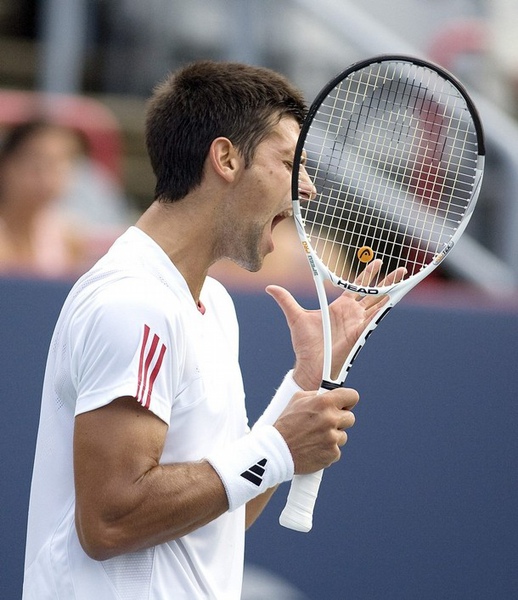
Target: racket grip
column 298, row 512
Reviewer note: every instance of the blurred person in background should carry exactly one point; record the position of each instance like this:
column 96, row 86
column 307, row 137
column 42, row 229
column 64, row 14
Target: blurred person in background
column 38, row 161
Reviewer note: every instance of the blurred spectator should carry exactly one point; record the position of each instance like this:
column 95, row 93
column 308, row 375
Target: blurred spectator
column 37, row 237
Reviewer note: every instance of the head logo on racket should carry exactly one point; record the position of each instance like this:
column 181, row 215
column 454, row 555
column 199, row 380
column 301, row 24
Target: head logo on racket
column 365, row 254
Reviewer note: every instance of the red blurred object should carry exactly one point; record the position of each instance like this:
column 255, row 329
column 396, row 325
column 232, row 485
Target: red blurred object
column 88, row 116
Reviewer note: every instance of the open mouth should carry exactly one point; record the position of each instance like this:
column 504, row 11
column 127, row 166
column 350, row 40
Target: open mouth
column 286, row 214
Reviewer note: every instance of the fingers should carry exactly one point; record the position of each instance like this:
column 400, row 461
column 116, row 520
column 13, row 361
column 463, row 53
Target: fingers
column 314, row 427
column 342, row 398
column 395, row 277
column 285, row 300
column 372, row 304
column 368, row 275
column 344, row 420
column 368, row 278
column 347, row 420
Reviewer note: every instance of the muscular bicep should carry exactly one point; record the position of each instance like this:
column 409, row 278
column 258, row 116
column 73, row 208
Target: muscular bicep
column 116, row 444
column 125, row 499
column 114, row 448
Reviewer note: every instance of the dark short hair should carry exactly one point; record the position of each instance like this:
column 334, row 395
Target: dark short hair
column 206, row 100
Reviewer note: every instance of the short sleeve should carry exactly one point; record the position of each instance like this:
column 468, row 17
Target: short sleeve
column 127, row 345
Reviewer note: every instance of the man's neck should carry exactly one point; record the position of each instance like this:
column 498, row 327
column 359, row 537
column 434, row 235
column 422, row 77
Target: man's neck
column 184, row 234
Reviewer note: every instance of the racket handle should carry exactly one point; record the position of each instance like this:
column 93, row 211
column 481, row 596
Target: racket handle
column 298, row 512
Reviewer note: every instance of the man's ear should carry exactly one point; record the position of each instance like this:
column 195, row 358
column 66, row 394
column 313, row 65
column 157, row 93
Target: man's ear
column 225, row 159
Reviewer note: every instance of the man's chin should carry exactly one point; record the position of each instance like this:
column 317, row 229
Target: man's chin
column 250, row 266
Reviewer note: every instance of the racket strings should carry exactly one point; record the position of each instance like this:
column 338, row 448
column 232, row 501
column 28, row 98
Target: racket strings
column 393, row 157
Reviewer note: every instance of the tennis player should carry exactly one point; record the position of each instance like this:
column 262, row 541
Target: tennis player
column 146, row 472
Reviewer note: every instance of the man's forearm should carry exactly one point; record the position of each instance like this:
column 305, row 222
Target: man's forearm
column 256, row 506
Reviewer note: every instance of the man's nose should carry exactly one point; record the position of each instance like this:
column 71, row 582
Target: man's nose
column 307, row 190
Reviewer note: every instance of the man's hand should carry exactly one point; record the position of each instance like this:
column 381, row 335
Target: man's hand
column 313, row 425
column 350, row 314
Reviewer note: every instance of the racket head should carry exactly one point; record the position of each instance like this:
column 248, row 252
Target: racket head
column 394, row 147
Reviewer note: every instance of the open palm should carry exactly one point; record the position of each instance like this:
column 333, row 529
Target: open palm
column 349, row 313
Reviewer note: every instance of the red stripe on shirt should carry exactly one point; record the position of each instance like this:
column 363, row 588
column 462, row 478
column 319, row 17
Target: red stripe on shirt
column 141, row 361
column 149, row 358
column 146, row 379
column 154, row 374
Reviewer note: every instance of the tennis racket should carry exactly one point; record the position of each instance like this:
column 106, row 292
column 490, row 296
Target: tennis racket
column 394, row 148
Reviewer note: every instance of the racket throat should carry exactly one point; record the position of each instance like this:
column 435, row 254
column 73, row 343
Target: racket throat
column 331, row 385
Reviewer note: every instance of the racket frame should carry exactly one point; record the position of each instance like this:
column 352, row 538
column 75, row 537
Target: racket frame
column 298, row 512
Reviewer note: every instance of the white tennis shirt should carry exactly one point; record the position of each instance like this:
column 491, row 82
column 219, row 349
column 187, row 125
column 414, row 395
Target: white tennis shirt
column 130, row 327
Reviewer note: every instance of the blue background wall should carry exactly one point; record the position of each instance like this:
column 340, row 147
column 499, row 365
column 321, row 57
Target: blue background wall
column 423, row 504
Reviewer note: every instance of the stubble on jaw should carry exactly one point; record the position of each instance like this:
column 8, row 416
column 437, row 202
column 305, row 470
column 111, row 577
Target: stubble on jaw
column 242, row 248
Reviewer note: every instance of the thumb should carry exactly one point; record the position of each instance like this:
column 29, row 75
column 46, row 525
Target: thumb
column 287, row 303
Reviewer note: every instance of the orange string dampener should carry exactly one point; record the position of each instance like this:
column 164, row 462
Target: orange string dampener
column 365, row 254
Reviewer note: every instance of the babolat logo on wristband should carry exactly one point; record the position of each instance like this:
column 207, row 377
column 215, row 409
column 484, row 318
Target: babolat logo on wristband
column 255, row 473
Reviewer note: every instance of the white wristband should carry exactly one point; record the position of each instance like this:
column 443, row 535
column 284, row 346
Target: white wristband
column 252, row 464
column 279, row 402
